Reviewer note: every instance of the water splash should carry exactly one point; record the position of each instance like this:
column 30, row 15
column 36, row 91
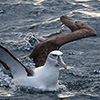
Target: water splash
column 65, row 95
column 31, row 41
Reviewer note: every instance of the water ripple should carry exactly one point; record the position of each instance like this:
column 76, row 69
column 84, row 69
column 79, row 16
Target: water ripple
column 25, row 23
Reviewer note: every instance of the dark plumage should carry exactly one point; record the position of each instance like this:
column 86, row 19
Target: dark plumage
column 79, row 30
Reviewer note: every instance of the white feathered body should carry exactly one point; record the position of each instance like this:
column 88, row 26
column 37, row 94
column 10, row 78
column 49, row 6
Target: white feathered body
column 45, row 78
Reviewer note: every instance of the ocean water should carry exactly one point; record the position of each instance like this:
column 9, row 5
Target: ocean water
column 25, row 23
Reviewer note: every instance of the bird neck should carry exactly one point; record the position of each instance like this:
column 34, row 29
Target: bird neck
column 50, row 62
column 52, row 68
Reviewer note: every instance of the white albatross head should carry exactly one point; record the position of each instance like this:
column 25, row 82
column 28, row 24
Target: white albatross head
column 55, row 59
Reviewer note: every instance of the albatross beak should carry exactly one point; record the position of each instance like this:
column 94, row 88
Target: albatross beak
column 61, row 62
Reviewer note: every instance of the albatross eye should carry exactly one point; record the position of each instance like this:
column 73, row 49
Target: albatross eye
column 54, row 55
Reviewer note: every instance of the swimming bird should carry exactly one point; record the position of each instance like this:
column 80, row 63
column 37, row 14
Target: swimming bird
column 46, row 56
column 44, row 77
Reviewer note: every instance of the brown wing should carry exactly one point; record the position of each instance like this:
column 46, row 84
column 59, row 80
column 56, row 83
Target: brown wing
column 79, row 30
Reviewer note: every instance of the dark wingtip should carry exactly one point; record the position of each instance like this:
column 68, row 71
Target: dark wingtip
column 64, row 17
column 61, row 18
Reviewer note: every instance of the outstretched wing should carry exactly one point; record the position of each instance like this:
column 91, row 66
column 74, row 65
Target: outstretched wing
column 79, row 30
column 11, row 63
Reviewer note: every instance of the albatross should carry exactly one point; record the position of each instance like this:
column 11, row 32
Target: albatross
column 46, row 56
column 44, row 77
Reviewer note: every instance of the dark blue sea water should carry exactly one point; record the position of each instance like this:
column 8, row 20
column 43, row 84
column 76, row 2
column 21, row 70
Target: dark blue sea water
column 25, row 23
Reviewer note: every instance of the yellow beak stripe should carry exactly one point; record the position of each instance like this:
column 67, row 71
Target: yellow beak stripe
column 65, row 66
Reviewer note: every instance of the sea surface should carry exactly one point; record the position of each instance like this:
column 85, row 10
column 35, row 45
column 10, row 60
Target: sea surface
column 25, row 23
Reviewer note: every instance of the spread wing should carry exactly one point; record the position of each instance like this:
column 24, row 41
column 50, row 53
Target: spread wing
column 11, row 63
column 79, row 30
